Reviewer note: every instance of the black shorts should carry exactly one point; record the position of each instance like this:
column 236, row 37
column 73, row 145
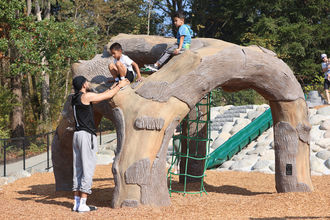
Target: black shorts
column 326, row 84
column 130, row 75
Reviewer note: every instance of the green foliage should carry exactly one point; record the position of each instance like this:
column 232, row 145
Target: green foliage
column 107, row 125
column 6, row 105
column 110, row 17
column 36, row 148
column 61, row 43
column 3, row 44
column 298, row 31
column 57, row 41
column 77, row 30
column 316, row 84
column 243, row 97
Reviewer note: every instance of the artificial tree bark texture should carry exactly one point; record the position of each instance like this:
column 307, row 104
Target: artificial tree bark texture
column 146, row 113
column 292, row 141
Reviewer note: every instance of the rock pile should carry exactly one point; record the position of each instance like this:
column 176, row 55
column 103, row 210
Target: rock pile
column 259, row 155
column 228, row 120
column 314, row 99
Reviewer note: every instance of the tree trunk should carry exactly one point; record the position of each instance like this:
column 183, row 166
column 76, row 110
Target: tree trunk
column 4, row 68
column 28, row 7
column 44, row 74
column 17, row 115
column 67, row 79
column 37, row 10
column 45, row 92
column 47, row 9
column 34, row 102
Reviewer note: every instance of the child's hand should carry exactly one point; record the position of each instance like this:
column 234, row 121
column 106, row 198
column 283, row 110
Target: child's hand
column 139, row 79
column 176, row 51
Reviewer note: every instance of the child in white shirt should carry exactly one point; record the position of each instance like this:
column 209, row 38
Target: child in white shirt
column 123, row 66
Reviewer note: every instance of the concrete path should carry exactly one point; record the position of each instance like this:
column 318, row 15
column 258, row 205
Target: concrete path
column 33, row 164
column 39, row 163
column 106, row 150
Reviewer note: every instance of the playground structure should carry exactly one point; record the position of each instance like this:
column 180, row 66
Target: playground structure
column 147, row 113
column 191, row 150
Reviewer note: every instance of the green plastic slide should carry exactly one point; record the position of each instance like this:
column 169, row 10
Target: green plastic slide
column 238, row 141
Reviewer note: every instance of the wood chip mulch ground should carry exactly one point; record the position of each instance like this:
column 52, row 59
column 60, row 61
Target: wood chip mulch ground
column 231, row 195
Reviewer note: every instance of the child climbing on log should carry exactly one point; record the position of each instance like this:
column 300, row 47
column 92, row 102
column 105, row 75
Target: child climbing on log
column 122, row 67
column 183, row 42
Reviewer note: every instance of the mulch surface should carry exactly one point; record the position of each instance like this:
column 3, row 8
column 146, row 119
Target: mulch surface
column 231, row 195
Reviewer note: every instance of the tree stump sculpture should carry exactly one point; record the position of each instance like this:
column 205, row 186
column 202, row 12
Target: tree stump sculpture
column 146, row 114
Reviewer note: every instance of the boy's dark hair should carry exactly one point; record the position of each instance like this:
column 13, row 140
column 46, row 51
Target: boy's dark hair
column 115, row 46
column 179, row 14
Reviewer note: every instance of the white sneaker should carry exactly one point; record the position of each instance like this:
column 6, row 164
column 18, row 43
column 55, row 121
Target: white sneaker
column 75, row 208
column 86, row 208
column 152, row 67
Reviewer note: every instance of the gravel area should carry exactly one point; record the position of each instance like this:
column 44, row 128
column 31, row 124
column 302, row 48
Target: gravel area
column 231, row 195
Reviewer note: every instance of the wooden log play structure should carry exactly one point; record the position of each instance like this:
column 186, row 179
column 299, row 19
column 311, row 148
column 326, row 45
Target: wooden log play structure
column 146, row 113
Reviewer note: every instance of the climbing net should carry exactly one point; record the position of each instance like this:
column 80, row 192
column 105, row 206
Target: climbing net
column 191, row 147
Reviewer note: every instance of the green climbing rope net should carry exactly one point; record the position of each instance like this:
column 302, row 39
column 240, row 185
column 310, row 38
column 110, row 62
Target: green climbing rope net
column 192, row 153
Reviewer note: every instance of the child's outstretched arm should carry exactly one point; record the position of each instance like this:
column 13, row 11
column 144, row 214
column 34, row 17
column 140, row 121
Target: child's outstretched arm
column 137, row 70
column 180, row 45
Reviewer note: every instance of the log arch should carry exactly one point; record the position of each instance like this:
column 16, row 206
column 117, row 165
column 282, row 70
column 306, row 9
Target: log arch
column 147, row 113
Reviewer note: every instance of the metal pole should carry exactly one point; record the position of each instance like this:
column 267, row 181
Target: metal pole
column 149, row 14
column 47, row 151
column 24, row 153
column 4, row 158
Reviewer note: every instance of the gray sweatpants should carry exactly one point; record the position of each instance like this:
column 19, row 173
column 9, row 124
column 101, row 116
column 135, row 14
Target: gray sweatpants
column 84, row 161
column 168, row 53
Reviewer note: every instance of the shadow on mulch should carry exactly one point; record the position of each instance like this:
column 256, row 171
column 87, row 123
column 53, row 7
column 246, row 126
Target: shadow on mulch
column 45, row 193
column 233, row 190
column 225, row 189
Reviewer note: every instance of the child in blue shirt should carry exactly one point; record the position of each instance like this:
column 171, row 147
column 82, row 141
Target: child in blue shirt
column 183, row 42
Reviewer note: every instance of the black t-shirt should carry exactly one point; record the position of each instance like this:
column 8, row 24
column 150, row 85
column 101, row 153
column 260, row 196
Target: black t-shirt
column 83, row 114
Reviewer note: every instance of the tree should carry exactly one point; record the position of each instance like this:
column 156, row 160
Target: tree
column 39, row 41
column 296, row 30
column 170, row 7
column 110, row 17
column 10, row 14
column 40, row 54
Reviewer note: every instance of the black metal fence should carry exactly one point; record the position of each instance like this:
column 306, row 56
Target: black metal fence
column 21, row 148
